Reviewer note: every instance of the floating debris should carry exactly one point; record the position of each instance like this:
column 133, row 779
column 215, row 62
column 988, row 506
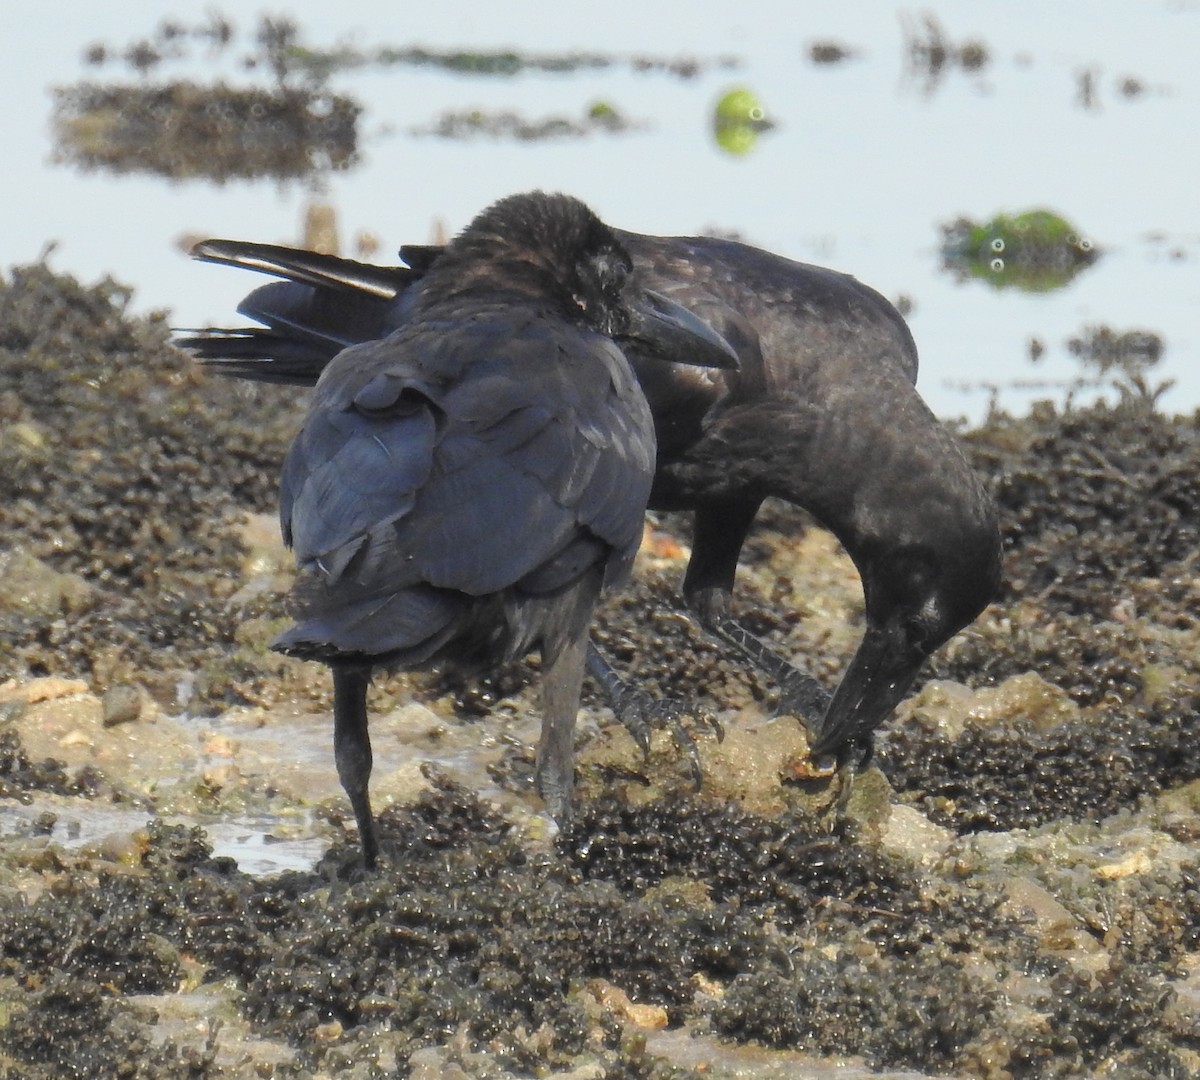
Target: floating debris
column 1131, row 87
column 507, row 124
column 169, row 41
column 1086, row 93
column 931, row 54
column 1088, row 88
column 739, row 118
column 277, row 45
column 184, row 131
column 1036, row 251
column 830, row 52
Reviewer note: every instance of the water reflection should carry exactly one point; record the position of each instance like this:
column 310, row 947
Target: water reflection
column 1105, row 359
column 856, row 175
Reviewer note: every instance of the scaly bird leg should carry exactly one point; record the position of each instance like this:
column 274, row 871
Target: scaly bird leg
column 352, row 751
column 719, row 532
column 799, row 693
column 564, row 652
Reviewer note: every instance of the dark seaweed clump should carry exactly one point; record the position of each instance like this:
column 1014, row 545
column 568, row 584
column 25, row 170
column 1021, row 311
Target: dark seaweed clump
column 1124, row 486
column 756, row 930
column 466, row 932
column 125, row 469
column 20, row 775
column 76, row 1029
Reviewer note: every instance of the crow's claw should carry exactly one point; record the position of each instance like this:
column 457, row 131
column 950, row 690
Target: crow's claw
column 641, row 714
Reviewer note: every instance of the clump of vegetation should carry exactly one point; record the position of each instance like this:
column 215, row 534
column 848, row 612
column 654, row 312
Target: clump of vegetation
column 599, row 117
column 1036, row 251
column 182, row 130
column 128, row 481
column 739, row 118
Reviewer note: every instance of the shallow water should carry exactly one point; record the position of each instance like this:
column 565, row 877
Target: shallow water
column 254, row 843
column 869, row 157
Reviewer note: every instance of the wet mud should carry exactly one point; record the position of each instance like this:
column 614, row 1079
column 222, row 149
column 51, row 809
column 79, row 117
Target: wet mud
column 1013, row 890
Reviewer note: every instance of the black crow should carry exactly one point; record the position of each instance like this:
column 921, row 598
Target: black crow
column 462, row 488
column 822, row 412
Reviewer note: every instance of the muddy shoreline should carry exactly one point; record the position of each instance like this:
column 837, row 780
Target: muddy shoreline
column 1015, row 891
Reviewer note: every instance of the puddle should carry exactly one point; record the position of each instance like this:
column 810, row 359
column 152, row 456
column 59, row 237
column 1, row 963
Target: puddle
column 260, row 845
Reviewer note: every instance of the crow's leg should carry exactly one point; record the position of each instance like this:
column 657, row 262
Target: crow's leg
column 641, row 713
column 564, row 652
column 352, row 751
column 720, row 530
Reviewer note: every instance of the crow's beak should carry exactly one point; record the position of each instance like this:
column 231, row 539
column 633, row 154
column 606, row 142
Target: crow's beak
column 666, row 330
column 877, row 679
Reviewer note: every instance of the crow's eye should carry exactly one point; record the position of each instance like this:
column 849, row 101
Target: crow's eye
column 611, row 269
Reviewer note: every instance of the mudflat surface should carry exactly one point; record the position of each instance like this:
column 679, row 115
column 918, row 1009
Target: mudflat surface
column 1014, row 890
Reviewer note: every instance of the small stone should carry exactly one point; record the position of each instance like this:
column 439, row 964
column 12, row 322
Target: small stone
column 328, row 1032
column 75, row 738
column 219, row 745
column 122, row 703
column 615, row 1001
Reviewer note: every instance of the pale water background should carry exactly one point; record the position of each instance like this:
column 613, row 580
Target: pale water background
column 867, row 160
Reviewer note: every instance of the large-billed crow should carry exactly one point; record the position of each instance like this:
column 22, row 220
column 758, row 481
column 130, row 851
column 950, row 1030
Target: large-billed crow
column 462, row 487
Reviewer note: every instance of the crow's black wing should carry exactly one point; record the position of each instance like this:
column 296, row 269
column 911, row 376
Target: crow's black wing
column 503, row 450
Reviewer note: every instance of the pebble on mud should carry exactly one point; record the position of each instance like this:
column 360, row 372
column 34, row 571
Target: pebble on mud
column 123, row 704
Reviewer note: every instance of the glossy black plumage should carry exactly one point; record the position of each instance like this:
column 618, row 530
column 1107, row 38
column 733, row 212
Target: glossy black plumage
column 463, row 487
column 822, row 413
